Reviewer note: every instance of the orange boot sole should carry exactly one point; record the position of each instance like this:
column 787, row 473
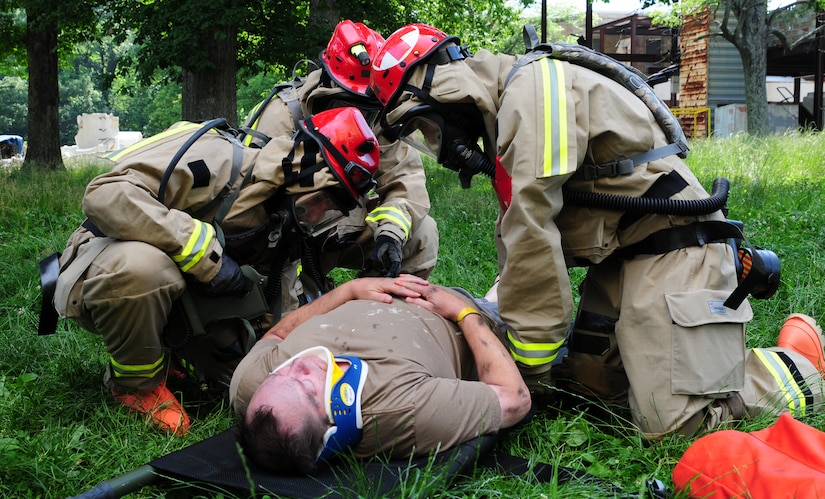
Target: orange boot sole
column 803, row 335
column 161, row 406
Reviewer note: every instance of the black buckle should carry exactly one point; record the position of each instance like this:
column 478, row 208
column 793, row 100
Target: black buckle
column 49, row 270
column 611, row 169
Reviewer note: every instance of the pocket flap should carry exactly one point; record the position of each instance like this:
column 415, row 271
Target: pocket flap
column 695, row 308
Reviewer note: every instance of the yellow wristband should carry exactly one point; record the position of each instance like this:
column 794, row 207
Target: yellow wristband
column 464, row 313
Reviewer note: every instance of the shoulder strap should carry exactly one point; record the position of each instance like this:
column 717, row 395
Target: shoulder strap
column 628, row 76
column 531, row 37
column 288, row 93
column 290, row 97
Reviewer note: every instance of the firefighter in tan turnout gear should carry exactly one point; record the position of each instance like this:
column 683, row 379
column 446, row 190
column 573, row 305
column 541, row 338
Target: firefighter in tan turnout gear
column 392, row 233
column 587, row 166
column 192, row 219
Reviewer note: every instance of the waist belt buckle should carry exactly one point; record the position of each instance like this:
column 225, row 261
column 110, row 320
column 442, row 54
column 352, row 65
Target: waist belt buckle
column 610, row 169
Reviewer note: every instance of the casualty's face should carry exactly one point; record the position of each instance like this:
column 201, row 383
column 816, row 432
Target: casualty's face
column 295, row 393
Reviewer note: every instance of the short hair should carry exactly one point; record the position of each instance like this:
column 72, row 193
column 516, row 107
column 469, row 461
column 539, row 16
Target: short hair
column 264, row 440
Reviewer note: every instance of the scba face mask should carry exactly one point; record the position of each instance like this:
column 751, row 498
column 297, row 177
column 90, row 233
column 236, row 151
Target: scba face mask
column 450, row 135
column 342, row 399
column 317, row 212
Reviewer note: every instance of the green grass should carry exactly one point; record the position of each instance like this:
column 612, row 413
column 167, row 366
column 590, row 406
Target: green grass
column 61, row 434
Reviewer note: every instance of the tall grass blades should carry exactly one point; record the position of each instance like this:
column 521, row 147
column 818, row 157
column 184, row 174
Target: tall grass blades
column 61, row 433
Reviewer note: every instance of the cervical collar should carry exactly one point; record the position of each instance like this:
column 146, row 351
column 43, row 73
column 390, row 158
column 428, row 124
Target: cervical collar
column 342, row 399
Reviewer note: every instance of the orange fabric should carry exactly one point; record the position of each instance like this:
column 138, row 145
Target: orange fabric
column 801, row 334
column 783, row 460
column 161, row 406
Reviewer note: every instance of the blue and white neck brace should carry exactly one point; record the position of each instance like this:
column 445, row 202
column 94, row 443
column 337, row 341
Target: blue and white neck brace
column 342, row 399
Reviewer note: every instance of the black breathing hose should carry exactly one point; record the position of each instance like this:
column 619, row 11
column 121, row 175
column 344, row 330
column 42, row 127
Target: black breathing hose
column 310, row 264
column 660, row 206
column 480, row 163
column 273, row 287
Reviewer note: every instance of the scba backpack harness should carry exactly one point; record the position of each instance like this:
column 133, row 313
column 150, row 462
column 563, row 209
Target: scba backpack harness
column 208, row 335
column 758, row 270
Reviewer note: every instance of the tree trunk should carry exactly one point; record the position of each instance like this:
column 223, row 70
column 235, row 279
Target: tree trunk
column 43, row 147
column 750, row 37
column 212, row 92
column 324, row 15
column 752, row 49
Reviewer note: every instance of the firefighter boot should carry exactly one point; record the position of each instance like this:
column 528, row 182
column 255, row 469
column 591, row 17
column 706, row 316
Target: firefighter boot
column 161, row 406
column 541, row 386
column 801, row 334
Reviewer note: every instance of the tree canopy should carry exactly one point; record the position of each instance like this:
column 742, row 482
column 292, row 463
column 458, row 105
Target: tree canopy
column 187, row 57
column 746, row 24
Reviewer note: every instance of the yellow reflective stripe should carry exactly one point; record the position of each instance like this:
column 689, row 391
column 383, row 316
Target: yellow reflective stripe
column 254, row 126
column 554, row 99
column 189, row 367
column 136, row 371
column 784, row 380
column 119, row 154
column 392, row 214
column 196, row 246
column 533, row 354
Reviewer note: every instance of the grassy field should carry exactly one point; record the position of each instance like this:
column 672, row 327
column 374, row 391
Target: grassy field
column 61, row 433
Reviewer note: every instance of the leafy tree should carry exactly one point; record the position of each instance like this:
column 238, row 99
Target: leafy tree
column 78, row 94
column 207, row 46
column 152, row 62
column 13, row 91
column 43, row 30
column 746, row 24
column 192, row 42
column 488, row 24
column 562, row 15
column 149, row 108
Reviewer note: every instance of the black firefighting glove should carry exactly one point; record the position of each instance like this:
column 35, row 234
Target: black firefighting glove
column 387, row 255
column 229, row 281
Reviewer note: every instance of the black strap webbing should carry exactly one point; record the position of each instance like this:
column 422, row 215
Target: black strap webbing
column 625, row 166
column 663, row 188
column 685, row 236
column 91, row 227
column 49, row 270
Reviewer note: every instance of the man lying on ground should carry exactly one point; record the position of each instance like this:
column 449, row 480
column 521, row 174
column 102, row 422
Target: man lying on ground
column 378, row 365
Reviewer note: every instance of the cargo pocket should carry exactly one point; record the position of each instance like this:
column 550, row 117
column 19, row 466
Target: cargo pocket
column 708, row 343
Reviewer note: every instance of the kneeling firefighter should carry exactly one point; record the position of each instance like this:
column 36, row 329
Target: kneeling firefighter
column 587, row 164
column 392, row 233
column 178, row 264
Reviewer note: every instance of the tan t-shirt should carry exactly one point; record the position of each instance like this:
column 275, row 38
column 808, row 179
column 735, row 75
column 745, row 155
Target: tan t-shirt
column 417, row 395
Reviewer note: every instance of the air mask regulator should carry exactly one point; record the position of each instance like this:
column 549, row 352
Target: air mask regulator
column 757, row 271
column 468, row 161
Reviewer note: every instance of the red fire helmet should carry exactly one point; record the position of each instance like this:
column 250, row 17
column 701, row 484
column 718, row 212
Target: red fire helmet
column 349, row 53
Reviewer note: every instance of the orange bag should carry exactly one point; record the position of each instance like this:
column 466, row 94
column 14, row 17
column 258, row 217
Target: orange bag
column 783, row 460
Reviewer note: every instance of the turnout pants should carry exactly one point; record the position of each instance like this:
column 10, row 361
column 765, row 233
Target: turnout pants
column 124, row 294
column 653, row 331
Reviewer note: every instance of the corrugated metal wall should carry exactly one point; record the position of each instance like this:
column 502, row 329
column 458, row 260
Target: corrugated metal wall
column 693, row 69
column 711, row 68
column 725, row 82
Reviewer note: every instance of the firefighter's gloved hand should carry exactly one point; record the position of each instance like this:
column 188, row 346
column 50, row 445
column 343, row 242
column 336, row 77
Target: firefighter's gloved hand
column 387, row 255
column 229, row 281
